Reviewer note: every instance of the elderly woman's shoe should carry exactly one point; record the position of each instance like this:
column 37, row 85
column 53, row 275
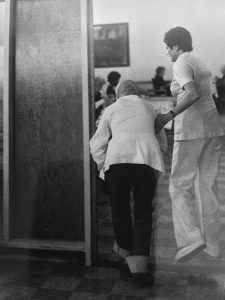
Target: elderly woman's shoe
column 143, row 279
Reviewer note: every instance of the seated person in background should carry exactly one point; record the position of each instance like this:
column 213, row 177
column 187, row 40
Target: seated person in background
column 113, row 80
column 99, row 100
column 128, row 156
column 160, row 85
column 220, row 85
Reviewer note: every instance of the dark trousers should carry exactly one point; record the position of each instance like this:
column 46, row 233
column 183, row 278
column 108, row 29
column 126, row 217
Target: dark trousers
column 120, row 179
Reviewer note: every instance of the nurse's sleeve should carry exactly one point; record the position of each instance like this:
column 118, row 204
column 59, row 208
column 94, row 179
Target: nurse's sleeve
column 99, row 142
column 183, row 73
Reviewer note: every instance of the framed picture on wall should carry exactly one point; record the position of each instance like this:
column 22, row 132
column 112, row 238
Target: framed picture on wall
column 111, row 45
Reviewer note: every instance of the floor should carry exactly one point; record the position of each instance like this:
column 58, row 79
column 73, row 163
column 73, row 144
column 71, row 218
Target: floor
column 40, row 280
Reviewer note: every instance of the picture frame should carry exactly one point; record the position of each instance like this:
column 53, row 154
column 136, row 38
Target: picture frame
column 111, row 45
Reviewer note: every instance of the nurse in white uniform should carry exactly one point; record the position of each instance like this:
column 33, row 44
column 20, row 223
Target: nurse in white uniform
column 196, row 152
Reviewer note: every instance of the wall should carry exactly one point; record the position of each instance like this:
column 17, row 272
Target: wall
column 149, row 20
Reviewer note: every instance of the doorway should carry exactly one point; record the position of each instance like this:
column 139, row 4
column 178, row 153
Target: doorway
column 144, row 58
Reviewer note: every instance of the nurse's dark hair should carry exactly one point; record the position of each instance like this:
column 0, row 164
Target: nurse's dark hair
column 179, row 36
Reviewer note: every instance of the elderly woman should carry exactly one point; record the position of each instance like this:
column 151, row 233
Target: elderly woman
column 196, row 152
column 128, row 156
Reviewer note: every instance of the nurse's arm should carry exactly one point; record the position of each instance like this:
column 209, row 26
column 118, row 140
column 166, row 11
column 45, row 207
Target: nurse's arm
column 190, row 96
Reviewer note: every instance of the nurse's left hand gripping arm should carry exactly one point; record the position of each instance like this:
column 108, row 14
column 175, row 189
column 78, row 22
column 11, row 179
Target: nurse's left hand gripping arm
column 190, row 96
column 99, row 142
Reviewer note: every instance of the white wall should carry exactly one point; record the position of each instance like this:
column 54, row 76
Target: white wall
column 149, row 20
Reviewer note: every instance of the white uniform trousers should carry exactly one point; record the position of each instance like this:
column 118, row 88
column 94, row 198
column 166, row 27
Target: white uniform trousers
column 193, row 192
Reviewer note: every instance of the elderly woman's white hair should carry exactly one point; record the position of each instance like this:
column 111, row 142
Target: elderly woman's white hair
column 126, row 87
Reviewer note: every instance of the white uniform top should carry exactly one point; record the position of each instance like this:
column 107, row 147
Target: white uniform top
column 126, row 135
column 201, row 120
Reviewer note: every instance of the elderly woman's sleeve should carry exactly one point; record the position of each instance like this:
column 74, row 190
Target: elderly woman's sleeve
column 99, row 142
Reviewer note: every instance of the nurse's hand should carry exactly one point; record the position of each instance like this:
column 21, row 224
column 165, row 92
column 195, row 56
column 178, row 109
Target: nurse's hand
column 161, row 120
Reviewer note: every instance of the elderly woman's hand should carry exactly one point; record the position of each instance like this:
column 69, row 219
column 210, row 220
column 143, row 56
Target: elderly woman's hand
column 161, row 120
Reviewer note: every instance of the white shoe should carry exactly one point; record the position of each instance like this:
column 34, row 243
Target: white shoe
column 187, row 252
column 138, row 263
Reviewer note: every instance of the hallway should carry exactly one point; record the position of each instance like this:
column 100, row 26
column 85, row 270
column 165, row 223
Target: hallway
column 164, row 245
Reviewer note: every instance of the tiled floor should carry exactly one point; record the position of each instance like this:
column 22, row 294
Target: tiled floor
column 23, row 280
